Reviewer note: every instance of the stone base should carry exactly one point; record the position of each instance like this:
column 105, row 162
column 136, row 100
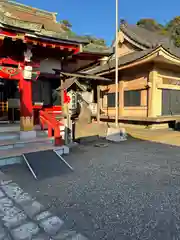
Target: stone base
column 27, row 135
column 116, row 134
column 62, row 150
column 26, row 123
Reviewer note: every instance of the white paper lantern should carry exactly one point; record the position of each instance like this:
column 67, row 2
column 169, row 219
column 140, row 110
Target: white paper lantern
column 27, row 72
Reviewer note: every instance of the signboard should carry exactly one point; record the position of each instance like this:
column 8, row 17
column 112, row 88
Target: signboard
column 171, row 81
column 13, row 103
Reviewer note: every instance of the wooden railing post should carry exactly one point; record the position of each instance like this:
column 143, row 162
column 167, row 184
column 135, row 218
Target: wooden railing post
column 49, row 131
column 57, row 137
column 41, row 124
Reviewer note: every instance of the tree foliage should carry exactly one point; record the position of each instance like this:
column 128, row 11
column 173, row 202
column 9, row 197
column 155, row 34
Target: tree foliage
column 67, row 26
column 172, row 28
column 150, row 24
column 98, row 41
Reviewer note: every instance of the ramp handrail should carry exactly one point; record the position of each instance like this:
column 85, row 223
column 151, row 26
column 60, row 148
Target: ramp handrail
column 53, row 124
column 54, row 110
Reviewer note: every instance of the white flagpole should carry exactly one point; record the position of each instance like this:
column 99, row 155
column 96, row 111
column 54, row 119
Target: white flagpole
column 116, row 57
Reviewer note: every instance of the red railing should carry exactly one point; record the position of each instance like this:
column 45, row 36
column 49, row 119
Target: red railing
column 53, row 124
column 55, row 110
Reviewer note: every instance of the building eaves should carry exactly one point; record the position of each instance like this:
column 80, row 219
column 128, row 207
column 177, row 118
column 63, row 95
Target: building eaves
column 131, row 57
column 63, row 36
column 96, row 48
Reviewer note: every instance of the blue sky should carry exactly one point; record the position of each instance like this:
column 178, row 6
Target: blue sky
column 97, row 17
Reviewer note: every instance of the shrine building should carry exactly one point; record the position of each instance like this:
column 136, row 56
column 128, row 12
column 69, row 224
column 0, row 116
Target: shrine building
column 34, row 50
column 148, row 82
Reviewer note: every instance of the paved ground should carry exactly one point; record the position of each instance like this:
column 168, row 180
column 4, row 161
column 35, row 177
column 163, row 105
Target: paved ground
column 24, row 218
column 166, row 136
column 124, row 191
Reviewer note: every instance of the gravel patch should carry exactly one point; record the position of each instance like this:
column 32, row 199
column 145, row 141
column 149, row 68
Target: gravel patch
column 123, row 191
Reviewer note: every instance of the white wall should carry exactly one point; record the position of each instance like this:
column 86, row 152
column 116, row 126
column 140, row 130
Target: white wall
column 48, row 64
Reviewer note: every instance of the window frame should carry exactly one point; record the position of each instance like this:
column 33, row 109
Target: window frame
column 133, row 102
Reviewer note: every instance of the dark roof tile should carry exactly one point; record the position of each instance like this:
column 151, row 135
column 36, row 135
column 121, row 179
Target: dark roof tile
column 144, row 37
column 150, row 39
column 131, row 57
column 21, row 12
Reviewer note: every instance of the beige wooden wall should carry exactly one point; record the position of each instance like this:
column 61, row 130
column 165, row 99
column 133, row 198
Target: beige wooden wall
column 131, row 81
column 150, row 78
column 151, row 98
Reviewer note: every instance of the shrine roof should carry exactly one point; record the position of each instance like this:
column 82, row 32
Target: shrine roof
column 43, row 24
column 122, row 61
column 136, row 56
column 149, row 39
column 144, row 37
column 97, row 48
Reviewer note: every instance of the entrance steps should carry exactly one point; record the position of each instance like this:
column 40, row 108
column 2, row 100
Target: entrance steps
column 15, row 143
column 14, row 156
column 12, row 148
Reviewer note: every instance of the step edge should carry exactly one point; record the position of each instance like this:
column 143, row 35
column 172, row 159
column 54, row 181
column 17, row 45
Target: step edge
column 14, row 141
column 31, row 151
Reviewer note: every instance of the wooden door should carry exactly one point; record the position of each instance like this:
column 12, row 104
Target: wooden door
column 170, row 102
column 41, row 91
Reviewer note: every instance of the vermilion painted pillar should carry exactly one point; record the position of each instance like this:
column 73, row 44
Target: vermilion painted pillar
column 26, row 110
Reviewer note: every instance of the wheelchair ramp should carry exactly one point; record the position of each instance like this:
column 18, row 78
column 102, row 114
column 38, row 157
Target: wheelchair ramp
column 46, row 164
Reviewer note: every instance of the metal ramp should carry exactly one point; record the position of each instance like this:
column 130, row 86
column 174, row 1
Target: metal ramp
column 46, row 164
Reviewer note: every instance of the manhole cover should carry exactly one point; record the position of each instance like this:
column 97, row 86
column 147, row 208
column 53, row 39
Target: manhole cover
column 101, row 145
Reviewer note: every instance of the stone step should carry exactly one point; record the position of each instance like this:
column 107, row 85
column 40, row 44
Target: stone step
column 14, row 156
column 9, row 127
column 16, row 143
column 5, row 136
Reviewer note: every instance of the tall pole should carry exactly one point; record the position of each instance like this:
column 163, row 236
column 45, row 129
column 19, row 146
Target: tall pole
column 116, row 57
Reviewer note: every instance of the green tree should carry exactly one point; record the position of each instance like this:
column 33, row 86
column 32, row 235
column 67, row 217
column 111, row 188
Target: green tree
column 173, row 28
column 98, row 41
column 66, row 25
column 150, row 24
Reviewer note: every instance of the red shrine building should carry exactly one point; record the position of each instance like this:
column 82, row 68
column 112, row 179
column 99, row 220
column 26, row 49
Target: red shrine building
column 32, row 44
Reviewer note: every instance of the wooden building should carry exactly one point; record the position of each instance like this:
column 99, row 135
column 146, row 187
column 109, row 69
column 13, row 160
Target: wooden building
column 149, row 79
column 32, row 44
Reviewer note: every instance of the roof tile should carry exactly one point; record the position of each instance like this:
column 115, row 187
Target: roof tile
column 122, row 61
